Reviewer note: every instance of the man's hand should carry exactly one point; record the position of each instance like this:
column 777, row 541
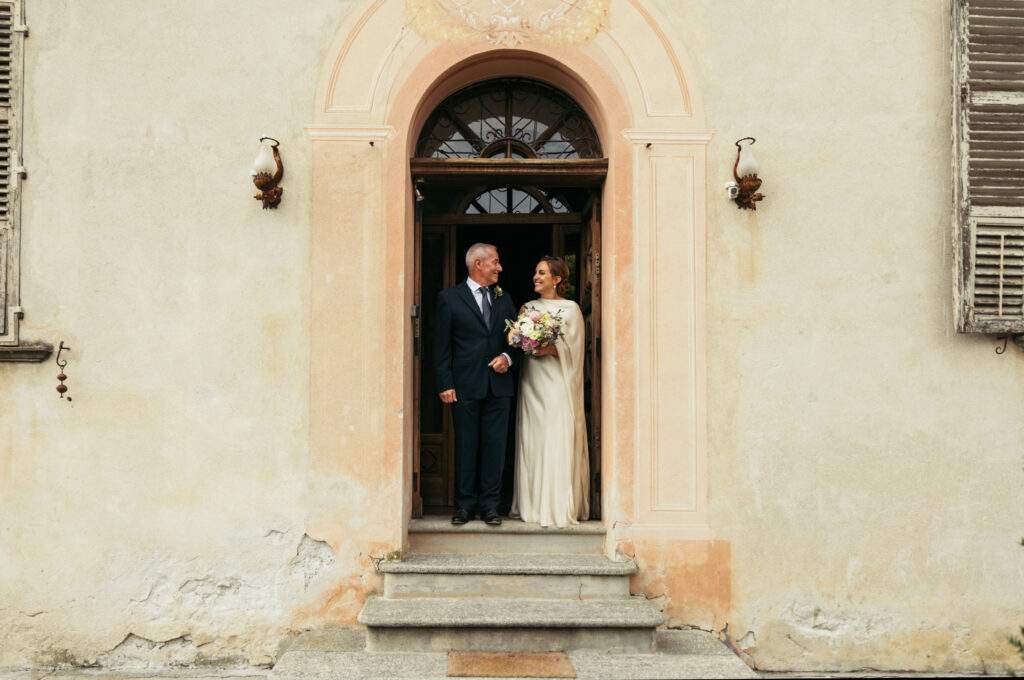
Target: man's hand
column 448, row 397
column 499, row 364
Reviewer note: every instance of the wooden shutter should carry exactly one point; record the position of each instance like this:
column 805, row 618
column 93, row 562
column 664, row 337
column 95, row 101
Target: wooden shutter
column 988, row 107
column 12, row 32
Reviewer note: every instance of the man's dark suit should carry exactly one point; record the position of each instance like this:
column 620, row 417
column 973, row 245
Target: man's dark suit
column 463, row 347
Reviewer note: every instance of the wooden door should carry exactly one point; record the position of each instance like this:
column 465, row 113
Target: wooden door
column 590, row 305
column 416, row 314
column 434, row 454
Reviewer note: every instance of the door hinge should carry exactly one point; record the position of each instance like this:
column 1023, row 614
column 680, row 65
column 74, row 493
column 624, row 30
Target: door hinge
column 964, row 95
column 17, row 169
column 597, row 265
column 597, row 347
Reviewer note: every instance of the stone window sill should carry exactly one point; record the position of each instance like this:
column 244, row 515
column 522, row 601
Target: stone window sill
column 27, row 353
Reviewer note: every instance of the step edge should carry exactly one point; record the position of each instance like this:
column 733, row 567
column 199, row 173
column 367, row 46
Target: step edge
column 440, row 563
column 651, row 623
column 444, row 526
column 640, row 613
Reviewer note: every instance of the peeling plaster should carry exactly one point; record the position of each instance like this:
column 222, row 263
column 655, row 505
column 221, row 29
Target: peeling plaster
column 312, row 559
column 814, row 621
column 138, row 652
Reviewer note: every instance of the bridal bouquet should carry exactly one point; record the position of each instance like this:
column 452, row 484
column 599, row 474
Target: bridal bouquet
column 534, row 329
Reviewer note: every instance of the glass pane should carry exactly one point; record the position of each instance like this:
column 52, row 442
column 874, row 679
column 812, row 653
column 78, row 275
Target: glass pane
column 558, row 205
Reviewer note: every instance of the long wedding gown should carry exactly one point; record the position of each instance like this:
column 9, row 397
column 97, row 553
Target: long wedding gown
column 552, row 479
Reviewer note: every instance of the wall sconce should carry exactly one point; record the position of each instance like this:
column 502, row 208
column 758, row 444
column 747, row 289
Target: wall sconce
column 267, row 171
column 744, row 189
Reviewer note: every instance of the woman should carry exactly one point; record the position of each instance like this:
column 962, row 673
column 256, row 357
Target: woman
column 552, row 469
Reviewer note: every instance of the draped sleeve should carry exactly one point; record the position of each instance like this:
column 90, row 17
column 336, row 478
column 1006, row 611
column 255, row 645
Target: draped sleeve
column 571, row 355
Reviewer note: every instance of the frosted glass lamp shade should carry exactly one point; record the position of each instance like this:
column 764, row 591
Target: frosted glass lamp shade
column 744, row 189
column 265, row 162
column 747, row 162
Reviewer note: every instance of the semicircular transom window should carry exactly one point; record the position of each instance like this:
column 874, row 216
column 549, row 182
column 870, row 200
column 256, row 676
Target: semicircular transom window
column 509, row 118
column 514, row 201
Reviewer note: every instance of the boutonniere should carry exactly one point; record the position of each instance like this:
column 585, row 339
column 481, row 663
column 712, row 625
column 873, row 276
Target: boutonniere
column 498, row 292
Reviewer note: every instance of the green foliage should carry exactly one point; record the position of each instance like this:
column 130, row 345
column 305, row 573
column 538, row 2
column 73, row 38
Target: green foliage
column 1018, row 642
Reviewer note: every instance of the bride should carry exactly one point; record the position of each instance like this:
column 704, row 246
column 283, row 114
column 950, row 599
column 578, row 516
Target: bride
column 552, row 468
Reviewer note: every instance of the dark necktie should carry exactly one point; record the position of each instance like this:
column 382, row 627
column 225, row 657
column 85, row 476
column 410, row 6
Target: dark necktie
column 485, row 298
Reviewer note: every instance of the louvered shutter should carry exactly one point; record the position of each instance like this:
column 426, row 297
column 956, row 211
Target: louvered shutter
column 989, row 156
column 11, row 39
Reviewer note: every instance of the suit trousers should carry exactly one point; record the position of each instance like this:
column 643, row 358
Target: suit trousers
column 481, row 435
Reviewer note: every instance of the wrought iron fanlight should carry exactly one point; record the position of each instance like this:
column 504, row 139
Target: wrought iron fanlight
column 509, row 118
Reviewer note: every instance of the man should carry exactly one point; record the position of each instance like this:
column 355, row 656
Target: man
column 471, row 361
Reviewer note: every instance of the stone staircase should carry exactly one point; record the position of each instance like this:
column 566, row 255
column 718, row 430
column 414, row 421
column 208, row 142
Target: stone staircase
column 513, row 588
column 515, row 591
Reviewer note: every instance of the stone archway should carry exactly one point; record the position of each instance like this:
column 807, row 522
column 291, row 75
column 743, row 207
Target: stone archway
column 376, row 87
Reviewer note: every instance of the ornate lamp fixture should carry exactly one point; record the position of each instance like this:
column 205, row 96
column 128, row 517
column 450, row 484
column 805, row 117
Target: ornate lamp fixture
column 267, row 171
column 744, row 189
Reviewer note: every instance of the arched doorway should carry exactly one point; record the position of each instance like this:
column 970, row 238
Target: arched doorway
column 379, row 83
column 517, row 163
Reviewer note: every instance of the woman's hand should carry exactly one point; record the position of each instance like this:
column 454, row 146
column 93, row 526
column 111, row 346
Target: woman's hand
column 550, row 350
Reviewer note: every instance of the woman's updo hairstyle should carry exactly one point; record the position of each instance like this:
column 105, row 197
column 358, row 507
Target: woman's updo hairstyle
column 557, row 267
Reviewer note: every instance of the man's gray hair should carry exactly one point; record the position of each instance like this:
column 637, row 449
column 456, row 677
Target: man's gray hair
column 477, row 251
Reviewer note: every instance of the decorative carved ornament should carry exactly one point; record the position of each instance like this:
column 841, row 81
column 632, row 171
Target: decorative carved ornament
column 508, row 23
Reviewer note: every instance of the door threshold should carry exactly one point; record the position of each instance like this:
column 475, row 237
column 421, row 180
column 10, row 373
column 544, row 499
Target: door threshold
column 436, row 524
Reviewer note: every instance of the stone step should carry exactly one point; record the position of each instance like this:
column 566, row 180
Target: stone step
column 437, row 535
column 587, row 665
column 679, row 654
column 507, row 576
column 619, row 625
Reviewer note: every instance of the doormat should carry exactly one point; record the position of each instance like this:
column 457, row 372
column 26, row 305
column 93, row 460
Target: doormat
column 510, row 665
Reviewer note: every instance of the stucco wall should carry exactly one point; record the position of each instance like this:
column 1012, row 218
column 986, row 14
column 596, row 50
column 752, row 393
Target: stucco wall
column 167, row 499
column 864, row 458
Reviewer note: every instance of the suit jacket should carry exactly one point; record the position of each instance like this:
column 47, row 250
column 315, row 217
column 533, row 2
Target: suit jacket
column 464, row 345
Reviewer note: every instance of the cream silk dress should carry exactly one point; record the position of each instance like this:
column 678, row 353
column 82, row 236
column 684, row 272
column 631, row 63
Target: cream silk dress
column 552, row 479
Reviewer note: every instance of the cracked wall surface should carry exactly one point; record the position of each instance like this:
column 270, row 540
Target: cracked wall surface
column 161, row 517
column 864, row 460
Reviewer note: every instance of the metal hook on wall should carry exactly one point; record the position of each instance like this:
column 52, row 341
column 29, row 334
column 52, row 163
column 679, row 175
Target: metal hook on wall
column 62, row 388
column 1016, row 338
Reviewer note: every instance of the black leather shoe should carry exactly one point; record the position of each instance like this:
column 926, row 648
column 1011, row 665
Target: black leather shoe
column 461, row 517
column 491, row 517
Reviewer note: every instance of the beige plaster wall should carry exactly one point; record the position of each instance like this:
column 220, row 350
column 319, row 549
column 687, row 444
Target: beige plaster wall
column 167, row 500
column 864, row 459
